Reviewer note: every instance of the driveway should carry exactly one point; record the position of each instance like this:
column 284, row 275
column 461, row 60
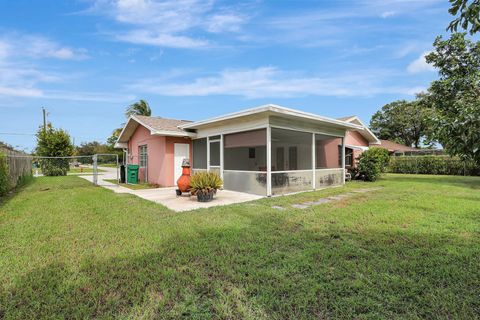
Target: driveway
column 167, row 196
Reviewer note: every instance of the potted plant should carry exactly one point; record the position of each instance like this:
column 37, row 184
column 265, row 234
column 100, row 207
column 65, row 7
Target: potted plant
column 204, row 185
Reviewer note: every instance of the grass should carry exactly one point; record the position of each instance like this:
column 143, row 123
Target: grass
column 83, row 170
column 138, row 186
column 73, row 171
column 108, row 165
column 407, row 251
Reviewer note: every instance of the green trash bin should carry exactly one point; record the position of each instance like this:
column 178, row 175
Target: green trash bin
column 132, row 174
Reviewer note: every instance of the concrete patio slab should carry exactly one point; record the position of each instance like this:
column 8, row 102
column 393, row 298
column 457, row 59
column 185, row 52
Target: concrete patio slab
column 167, row 196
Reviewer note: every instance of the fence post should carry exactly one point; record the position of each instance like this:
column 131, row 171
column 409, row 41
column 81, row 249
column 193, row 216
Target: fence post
column 95, row 175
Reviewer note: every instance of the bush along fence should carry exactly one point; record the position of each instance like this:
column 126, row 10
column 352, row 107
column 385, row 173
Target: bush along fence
column 432, row 165
column 15, row 170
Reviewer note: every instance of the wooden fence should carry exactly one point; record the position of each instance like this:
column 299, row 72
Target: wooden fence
column 19, row 165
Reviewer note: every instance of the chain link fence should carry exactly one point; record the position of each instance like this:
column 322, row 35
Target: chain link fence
column 100, row 169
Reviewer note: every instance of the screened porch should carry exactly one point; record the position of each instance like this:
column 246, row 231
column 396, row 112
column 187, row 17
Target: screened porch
column 272, row 160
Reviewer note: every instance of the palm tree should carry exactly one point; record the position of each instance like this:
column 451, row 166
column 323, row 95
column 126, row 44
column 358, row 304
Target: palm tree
column 140, row 108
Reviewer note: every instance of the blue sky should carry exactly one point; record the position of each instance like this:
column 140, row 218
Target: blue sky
column 86, row 60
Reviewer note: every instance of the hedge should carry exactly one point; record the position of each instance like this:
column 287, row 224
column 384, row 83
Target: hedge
column 432, row 165
column 4, row 175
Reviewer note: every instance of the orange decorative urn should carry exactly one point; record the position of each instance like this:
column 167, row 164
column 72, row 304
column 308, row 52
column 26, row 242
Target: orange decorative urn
column 183, row 182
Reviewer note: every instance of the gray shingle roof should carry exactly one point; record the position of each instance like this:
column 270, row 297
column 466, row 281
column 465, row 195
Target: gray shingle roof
column 162, row 124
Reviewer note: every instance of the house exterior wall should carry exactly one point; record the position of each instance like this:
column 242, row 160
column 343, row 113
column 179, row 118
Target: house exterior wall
column 354, row 138
column 327, row 153
column 160, row 153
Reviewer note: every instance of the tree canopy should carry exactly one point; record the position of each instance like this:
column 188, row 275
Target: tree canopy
column 53, row 142
column 455, row 97
column 467, row 15
column 140, row 108
column 403, row 122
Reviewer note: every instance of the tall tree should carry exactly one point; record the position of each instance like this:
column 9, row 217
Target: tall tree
column 141, row 108
column 455, row 97
column 402, row 121
column 53, row 142
column 467, row 15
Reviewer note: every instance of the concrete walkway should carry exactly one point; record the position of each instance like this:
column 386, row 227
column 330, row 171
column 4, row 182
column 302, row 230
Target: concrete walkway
column 338, row 197
column 168, row 197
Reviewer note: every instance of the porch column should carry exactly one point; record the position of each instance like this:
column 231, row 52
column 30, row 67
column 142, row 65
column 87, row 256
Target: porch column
column 221, row 156
column 208, row 154
column 269, row 161
column 314, row 164
column 343, row 160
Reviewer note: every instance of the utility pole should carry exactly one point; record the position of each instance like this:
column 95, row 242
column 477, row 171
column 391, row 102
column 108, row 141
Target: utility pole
column 44, row 119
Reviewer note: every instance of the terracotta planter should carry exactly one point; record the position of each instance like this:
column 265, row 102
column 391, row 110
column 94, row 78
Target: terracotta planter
column 205, row 196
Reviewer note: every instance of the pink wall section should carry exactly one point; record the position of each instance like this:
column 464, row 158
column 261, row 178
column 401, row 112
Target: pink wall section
column 160, row 150
column 327, row 153
column 354, row 138
column 327, row 150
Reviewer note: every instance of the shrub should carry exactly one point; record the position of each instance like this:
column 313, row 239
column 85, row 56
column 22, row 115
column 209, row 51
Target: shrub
column 372, row 163
column 4, row 175
column 54, row 167
column 205, row 182
column 56, row 143
column 445, row 165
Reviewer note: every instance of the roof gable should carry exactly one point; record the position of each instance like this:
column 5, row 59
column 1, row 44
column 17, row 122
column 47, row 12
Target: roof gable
column 156, row 126
column 366, row 132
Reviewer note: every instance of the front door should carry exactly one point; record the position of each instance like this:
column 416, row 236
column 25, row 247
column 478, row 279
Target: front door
column 181, row 151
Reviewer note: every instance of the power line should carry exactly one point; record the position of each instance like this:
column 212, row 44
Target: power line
column 17, row 134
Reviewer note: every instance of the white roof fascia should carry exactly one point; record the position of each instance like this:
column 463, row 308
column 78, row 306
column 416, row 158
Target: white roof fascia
column 123, row 130
column 362, row 148
column 377, row 141
column 275, row 109
column 156, row 132
column 174, row 134
column 120, row 145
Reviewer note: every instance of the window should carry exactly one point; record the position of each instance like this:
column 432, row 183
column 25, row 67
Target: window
column 251, row 153
column 142, row 152
column 291, row 150
column 200, row 154
column 348, row 156
column 215, row 154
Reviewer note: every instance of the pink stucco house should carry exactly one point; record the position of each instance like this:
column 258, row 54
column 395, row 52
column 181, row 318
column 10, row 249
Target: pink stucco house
column 358, row 141
column 155, row 144
column 268, row 150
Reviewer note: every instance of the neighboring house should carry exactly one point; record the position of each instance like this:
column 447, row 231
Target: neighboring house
column 396, row 148
column 268, row 150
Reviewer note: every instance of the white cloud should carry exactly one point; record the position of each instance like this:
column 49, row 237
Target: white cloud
column 387, row 14
column 20, row 92
column 420, row 65
column 225, row 22
column 88, row 96
column 165, row 23
column 21, row 76
column 14, row 45
column 161, row 40
column 266, row 82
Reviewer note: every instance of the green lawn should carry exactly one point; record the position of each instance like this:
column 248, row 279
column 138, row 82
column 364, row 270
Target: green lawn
column 72, row 171
column 410, row 250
